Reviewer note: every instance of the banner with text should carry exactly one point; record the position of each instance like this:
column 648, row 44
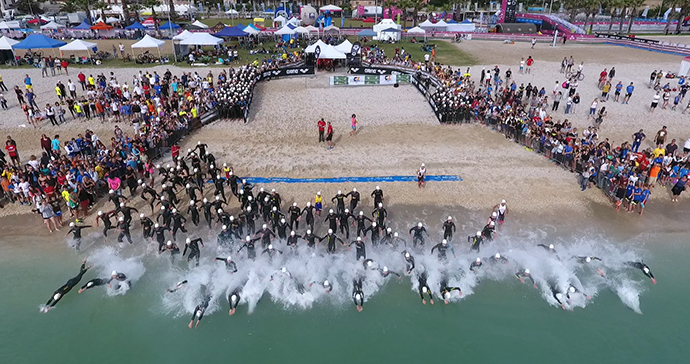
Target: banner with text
column 362, row 70
column 370, row 80
column 290, row 71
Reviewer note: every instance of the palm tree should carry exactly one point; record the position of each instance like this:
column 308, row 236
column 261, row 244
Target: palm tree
column 633, row 5
column 416, row 6
column 404, row 5
column 70, row 6
column 125, row 11
column 102, row 6
column 151, row 4
column 136, row 8
column 685, row 10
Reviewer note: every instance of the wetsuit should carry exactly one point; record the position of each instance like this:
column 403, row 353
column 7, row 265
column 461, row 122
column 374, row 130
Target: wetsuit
column 294, row 212
column 193, row 211
column 276, row 200
column 282, row 230
column 229, row 265
column 644, row 268
column 343, row 220
column 147, row 225
column 375, row 234
column 225, row 238
column 127, row 213
column 115, row 199
column 421, row 279
column 378, row 197
column 76, row 234
column 194, row 251
column 546, row 247
column 475, row 265
column 488, row 232
column 448, row 230
column 207, row 206
column 266, row 235
column 357, row 290
column 309, row 210
column 65, row 288
column 361, row 249
column 583, row 260
column 354, row 199
column 292, row 242
column 476, row 242
column 178, row 224
column 191, row 191
column 96, row 282
column 174, row 250
column 234, row 298
column 160, row 236
column 445, row 289
column 332, row 219
column 232, row 181
column 251, row 250
column 310, row 239
column 418, row 236
column 271, row 253
column 361, row 227
column 380, row 214
column 107, row 224
column 386, row 273
column 340, row 204
column 556, row 293
column 124, row 232
column 219, row 184
column 522, row 274
column 330, row 242
column 200, row 309
column 409, row 263
column 442, row 249
column 152, row 194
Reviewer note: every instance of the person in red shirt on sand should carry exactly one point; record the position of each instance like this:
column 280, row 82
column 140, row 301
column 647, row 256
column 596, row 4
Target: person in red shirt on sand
column 82, row 80
column 329, row 136
column 322, row 125
column 175, row 151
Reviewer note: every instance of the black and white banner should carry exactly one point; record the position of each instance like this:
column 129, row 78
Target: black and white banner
column 362, row 70
column 292, row 71
column 623, row 37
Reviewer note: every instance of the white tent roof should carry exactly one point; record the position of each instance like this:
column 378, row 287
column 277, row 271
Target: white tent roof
column 99, row 20
column 330, row 8
column 285, row 31
column 202, row 39
column 331, row 27
column 416, row 30
column 385, row 24
column 9, row 25
column 231, row 11
column 329, row 52
column 52, row 25
column 312, row 28
column 148, row 42
column 279, row 19
column 311, row 48
column 185, row 33
column 301, row 30
column 426, row 24
column 250, row 30
column 111, row 20
column 344, row 47
column 441, row 23
column 78, row 45
column 294, row 21
column 7, row 43
column 200, row 24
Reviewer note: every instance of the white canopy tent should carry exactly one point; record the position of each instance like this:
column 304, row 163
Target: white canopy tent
column 294, row 21
column 200, row 24
column 330, row 8
column 331, row 28
column 232, row 12
column 111, row 20
column 285, row 31
column 426, row 24
column 52, row 26
column 12, row 24
column 250, row 30
column 387, row 24
column 441, row 24
column 185, row 33
column 301, row 30
column 78, row 45
column 149, row 42
column 312, row 28
column 7, row 43
column 416, row 30
column 344, row 47
column 201, row 39
column 279, row 21
column 312, row 48
column 329, row 52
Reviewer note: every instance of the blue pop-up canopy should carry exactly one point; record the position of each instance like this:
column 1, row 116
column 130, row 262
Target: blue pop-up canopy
column 367, row 33
column 83, row 26
column 231, row 32
column 38, row 41
column 169, row 25
column 136, row 26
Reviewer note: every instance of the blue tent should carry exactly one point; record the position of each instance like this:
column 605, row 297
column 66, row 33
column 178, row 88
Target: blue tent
column 38, row 41
column 169, row 25
column 466, row 21
column 136, row 26
column 367, row 33
column 231, row 32
column 83, row 26
column 451, row 22
column 291, row 26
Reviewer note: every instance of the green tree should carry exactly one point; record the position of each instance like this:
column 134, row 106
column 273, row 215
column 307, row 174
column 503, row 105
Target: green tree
column 70, row 6
column 29, row 7
column 684, row 12
column 102, row 6
column 633, row 5
column 151, row 4
column 416, row 5
column 404, row 5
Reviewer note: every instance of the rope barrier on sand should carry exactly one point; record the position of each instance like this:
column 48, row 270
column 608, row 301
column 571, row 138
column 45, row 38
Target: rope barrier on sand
column 383, row 179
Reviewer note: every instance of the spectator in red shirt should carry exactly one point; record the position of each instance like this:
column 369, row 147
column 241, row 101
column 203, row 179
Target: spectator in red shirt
column 82, row 80
column 11, row 148
column 175, row 150
column 329, row 136
column 64, row 65
column 321, row 125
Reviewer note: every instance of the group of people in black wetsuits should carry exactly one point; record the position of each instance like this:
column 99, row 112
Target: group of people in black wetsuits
column 194, row 174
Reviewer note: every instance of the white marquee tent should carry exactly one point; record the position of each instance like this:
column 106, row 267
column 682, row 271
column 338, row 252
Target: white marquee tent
column 286, row 30
column 149, row 42
column 185, row 33
column 312, row 48
column 78, row 45
column 329, row 52
column 52, row 25
column 200, row 24
column 201, row 39
column 344, row 47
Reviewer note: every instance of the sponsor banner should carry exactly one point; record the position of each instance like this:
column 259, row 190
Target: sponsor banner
column 290, row 71
column 403, row 78
column 621, row 37
column 355, row 80
column 339, row 80
column 372, row 80
column 362, row 70
column 387, row 79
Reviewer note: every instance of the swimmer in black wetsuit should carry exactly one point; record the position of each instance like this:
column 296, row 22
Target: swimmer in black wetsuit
column 446, row 290
column 354, row 199
column 65, row 288
column 524, row 273
column 360, row 220
column 249, row 244
column 229, row 264
column 326, row 285
column 147, row 226
column 360, row 248
column 424, row 288
column 476, row 241
column 199, row 311
column 76, row 233
column 107, row 224
column 234, row 300
column 409, row 259
column 442, row 249
column 331, row 239
column 177, row 286
column 173, row 248
column 385, row 272
column 557, row 295
column 585, row 259
column 358, row 294
column 271, row 252
column 340, row 202
column 550, row 248
column 295, row 213
column 448, row 229
column 418, row 237
column 309, row 215
column 476, row 265
column 572, row 290
column 644, row 268
column 377, row 195
column 194, row 251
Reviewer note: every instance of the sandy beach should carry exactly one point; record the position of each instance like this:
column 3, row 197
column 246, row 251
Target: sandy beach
column 398, row 131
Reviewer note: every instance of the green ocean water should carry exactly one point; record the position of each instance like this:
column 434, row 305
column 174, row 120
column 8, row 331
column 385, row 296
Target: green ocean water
column 503, row 321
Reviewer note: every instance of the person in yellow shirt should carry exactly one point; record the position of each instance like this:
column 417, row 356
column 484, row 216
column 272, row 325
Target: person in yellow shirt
column 193, row 111
column 58, row 92
column 318, row 199
column 92, row 81
column 2, row 85
column 659, row 150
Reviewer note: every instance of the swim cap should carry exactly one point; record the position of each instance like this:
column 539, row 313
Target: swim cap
column 422, row 164
column 450, row 218
column 444, row 242
column 283, row 269
column 212, row 166
column 526, row 271
column 503, row 202
column 294, row 204
column 261, row 189
column 373, row 224
column 249, row 198
column 361, row 213
column 199, row 312
column 339, row 192
column 264, row 226
column 218, row 176
column 388, row 230
column 219, row 211
column 497, row 256
column 425, row 290
column 308, row 204
column 446, row 295
column 378, row 188
column 588, row 259
column 71, row 224
column 325, row 283
column 232, row 218
column 57, row 296
column 140, row 181
column 276, row 209
column 407, row 255
column 419, row 224
column 479, row 233
column 122, row 218
column 478, row 260
column 162, row 208
column 162, row 198
column 358, row 296
column 205, row 200
column 225, row 227
column 347, row 211
column 492, row 223
column 248, row 238
column 330, row 231
column 380, row 204
column 156, row 225
column 645, row 269
column 354, row 190
column 233, row 298
column 493, row 214
column 369, row 263
column 169, row 243
column 113, row 273
column 308, row 231
column 550, row 246
column 318, row 193
column 225, row 165
column 196, row 169
column 395, row 235
column 158, row 165
column 218, row 197
column 188, row 240
column 270, row 246
column 111, row 192
column 292, row 233
column 188, row 185
column 330, row 211
column 385, row 269
column 273, row 190
column 174, row 211
column 122, row 204
column 282, row 220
